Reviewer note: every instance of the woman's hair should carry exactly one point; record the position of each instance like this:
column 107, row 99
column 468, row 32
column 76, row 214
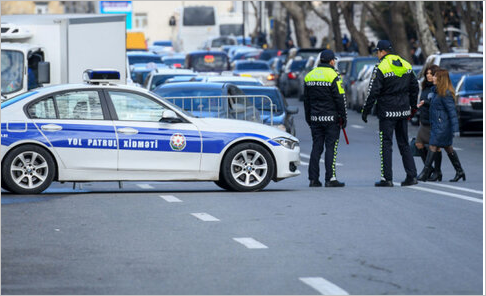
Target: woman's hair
column 444, row 83
column 433, row 68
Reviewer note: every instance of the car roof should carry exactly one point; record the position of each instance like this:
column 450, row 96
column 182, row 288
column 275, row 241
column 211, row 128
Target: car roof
column 194, row 85
column 229, row 78
column 257, row 87
column 459, row 55
column 142, row 53
column 213, row 52
column 250, row 62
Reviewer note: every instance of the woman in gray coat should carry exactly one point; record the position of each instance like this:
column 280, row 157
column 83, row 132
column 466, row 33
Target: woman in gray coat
column 444, row 125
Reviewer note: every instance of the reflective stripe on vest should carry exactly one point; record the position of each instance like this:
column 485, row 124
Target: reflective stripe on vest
column 388, row 69
column 323, row 76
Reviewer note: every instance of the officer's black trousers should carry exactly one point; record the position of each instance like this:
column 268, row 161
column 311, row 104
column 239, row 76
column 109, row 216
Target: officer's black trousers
column 324, row 134
column 400, row 126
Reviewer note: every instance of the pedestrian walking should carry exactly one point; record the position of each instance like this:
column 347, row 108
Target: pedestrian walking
column 423, row 134
column 444, row 125
column 394, row 88
column 325, row 111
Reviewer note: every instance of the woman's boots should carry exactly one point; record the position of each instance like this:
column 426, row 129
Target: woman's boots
column 425, row 174
column 437, row 173
column 457, row 165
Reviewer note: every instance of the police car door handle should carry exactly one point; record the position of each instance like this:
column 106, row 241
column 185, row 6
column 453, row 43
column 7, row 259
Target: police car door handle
column 127, row 131
column 51, row 127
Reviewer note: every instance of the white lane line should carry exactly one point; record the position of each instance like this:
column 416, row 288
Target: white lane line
column 145, row 186
column 205, row 217
column 321, row 161
column 357, row 126
column 323, row 286
column 457, row 148
column 304, row 163
column 452, row 187
column 460, row 196
column 250, row 243
column 170, row 198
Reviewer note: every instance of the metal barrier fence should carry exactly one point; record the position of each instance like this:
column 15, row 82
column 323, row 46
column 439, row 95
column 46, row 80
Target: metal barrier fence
column 250, row 108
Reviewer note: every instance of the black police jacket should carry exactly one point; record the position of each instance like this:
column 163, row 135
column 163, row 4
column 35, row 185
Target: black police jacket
column 394, row 87
column 324, row 97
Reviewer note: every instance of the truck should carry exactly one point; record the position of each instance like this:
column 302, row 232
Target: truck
column 43, row 50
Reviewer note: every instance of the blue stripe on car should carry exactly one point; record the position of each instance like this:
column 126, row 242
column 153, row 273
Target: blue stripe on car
column 17, row 98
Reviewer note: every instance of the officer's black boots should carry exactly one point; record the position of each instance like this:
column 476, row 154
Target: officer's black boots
column 425, row 174
column 457, row 165
column 384, row 183
column 423, row 153
column 437, row 173
column 315, row 183
column 334, row 183
column 409, row 181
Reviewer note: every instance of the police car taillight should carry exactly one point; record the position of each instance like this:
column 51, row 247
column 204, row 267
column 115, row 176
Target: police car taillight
column 101, row 76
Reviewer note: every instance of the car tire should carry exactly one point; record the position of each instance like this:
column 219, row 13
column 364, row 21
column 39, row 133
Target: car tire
column 222, row 184
column 28, row 169
column 247, row 167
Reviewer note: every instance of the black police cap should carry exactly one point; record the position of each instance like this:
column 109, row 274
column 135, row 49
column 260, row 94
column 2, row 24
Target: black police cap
column 383, row 45
column 327, row 55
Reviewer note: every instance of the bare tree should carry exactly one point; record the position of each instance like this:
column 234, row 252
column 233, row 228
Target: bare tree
column 358, row 36
column 439, row 27
column 297, row 13
column 329, row 24
column 470, row 15
column 423, row 31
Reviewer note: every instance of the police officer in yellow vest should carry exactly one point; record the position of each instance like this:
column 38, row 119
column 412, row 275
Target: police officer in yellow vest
column 394, row 88
column 325, row 110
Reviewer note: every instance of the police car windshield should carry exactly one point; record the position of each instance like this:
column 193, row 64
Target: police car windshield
column 461, row 65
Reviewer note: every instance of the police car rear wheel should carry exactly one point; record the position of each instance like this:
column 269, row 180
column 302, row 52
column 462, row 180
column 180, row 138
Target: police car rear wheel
column 28, row 169
column 248, row 167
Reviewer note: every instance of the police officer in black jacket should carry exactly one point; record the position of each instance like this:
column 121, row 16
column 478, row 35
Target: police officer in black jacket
column 325, row 110
column 394, row 88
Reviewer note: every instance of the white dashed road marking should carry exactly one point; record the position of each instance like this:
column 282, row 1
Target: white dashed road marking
column 170, row 198
column 460, row 196
column 357, row 126
column 453, row 187
column 145, row 186
column 321, row 161
column 323, row 286
column 250, row 243
column 205, row 217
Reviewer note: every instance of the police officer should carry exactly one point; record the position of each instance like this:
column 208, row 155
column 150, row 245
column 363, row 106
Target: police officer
column 394, row 87
column 325, row 110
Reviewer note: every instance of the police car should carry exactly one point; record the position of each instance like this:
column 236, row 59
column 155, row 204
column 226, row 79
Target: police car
column 101, row 131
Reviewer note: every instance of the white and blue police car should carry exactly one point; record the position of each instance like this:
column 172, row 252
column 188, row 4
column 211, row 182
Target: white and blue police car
column 101, row 131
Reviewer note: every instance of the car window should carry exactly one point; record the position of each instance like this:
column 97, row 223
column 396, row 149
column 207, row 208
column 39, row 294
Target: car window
column 134, row 107
column 79, row 105
column 43, row 109
column 459, row 65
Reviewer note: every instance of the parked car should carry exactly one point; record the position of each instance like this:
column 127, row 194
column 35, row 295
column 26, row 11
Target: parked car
column 458, row 64
column 174, row 61
column 207, row 61
column 469, row 97
column 209, row 100
column 359, row 89
column 257, row 69
column 143, row 57
column 350, row 73
column 139, row 72
column 288, row 82
column 159, row 76
column 108, row 132
column 309, row 65
column 283, row 114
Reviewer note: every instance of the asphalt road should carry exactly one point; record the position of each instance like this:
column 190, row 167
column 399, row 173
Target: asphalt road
column 195, row 238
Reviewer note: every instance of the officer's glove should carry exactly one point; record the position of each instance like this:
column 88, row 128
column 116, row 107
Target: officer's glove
column 343, row 122
column 364, row 116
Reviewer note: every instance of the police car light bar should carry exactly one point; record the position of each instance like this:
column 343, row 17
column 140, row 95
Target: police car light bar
column 106, row 76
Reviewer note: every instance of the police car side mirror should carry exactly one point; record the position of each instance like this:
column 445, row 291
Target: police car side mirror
column 170, row 116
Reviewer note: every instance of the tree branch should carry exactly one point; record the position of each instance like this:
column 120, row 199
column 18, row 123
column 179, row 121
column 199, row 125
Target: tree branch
column 372, row 9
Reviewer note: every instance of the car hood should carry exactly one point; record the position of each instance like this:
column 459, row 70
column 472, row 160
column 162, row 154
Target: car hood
column 240, row 126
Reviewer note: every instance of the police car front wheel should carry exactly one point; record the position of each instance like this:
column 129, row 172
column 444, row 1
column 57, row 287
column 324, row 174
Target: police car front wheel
column 28, row 169
column 248, row 167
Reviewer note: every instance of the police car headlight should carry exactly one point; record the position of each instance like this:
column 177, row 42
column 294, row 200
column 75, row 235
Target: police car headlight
column 287, row 143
